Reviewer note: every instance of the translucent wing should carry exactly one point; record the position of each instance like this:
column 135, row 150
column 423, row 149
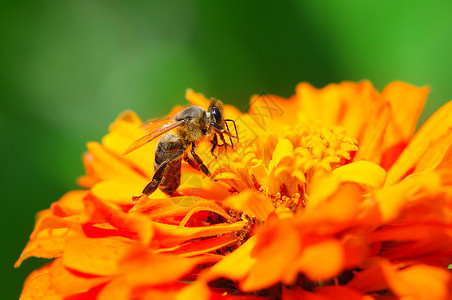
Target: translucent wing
column 154, row 129
column 157, row 123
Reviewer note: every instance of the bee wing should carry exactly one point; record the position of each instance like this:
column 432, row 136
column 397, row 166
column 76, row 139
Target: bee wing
column 157, row 123
column 154, row 130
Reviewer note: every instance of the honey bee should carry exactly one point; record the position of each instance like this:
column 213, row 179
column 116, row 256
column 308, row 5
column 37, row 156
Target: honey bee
column 191, row 125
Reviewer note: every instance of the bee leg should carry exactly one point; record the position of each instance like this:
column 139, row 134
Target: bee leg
column 227, row 127
column 224, row 142
column 214, row 145
column 218, row 128
column 200, row 163
column 158, row 175
column 235, row 128
column 191, row 162
column 225, row 145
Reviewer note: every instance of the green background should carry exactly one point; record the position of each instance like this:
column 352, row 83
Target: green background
column 68, row 68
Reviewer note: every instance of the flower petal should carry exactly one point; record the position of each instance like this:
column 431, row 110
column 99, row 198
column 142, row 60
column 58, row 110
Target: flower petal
column 418, row 282
column 392, row 199
column 336, row 104
column 407, row 102
column 251, row 203
column 203, row 246
column 95, row 256
column 321, row 261
column 365, row 173
column 136, row 224
column 276, row 249
column 371, row 144
column 170, row 235
column 43, row 247
column 38, row 286
column 68, row 282
column 141, row 268
column 439, row 125
column 120, row 191
column 234, row 266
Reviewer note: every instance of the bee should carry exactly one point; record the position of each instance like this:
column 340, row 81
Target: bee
column 191, row 125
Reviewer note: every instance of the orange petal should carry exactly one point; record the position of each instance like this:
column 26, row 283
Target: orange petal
column 296, row 292
column 173, row 210
column 333, row 212
column 336, row 104
column 169, row 235
column 44, row 247
column 429, row 243
column 196, row 98
column 202, row 246
column 38, row 286
column 276, row 250
column 68, row 282
column 266, row 109
column 56, row 227
column 407, row 102
column 439, row 156
column 321, row 261
column 95, row 256
column 340, row 293
column 71, row 203
column 170, row 210
column 141, row 268
column 418, row 282
column 110, row 166
column 135, row 223
column 436, row 127
column 209, row 207
column 391, row 200
column 371, row 144
column 371, row 279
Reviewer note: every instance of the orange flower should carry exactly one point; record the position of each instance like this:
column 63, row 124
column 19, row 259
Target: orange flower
column 329, row 195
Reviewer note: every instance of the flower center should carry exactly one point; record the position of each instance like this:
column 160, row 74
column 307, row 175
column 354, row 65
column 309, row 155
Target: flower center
column 281, row 165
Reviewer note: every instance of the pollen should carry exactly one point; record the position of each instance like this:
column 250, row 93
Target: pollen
column 282, row 165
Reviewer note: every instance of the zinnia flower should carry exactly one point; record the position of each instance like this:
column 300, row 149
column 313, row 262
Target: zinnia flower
column 329, row 195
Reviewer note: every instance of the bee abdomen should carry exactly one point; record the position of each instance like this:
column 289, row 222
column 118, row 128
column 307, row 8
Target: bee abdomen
column 166, row 148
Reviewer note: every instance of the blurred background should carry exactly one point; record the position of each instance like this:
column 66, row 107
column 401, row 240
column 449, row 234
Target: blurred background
column 68, row 68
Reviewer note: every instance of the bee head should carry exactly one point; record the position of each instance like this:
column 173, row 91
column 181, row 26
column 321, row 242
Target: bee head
column 216, row 111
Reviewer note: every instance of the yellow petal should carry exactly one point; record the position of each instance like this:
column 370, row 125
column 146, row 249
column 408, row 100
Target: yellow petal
column 283, row 149
column 251, row 203
column 234, row 266
column 119, row 191
column 109, row 166
column 322, row 260
column 365, row 173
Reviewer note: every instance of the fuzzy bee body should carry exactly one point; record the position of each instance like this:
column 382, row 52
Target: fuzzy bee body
column 167, row 146
column 191, row 125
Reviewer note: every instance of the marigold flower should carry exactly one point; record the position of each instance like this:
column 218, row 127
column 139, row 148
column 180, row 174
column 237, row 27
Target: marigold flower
column 330, row 194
